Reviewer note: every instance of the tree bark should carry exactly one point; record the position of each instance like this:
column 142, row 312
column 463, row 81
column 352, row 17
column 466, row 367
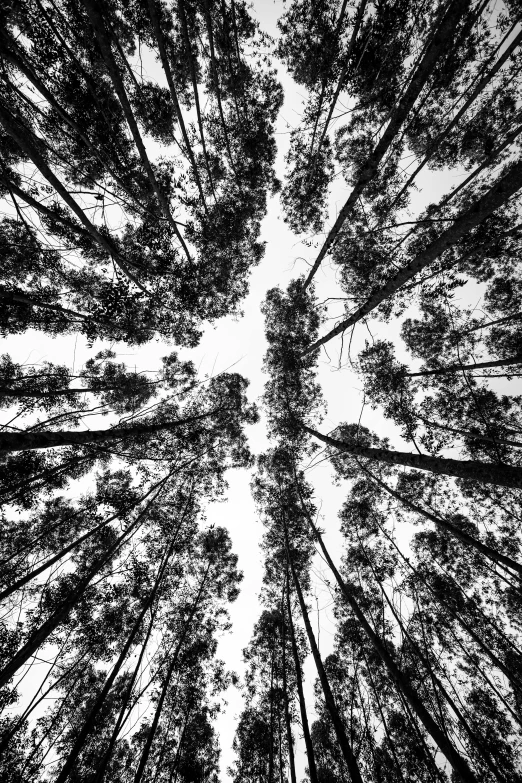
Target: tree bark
column 484, row 472
column 440, row 42
column 496, row 197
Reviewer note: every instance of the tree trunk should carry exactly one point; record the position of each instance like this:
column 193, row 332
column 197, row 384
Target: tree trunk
column 457, row 762
column 467, row 434
column 21, row 135
column 476, row 366
column 487, row 551
column 103, row 41
column 342, row 739
column 441, row 41
column 186, row 36
column 150, row 736
column 20, row 441
column 13, row 297
column 60, row 614
column 496, row 197
column 173, row 94
column 299, row 681
column 358, row 19
column 90, row 721
column 506, row 319
column 474, row 94
column 484, row 472
column 48, row 563
column 288, row 721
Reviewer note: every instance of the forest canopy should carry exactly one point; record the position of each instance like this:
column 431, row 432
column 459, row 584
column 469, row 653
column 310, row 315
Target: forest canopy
column 141, row 147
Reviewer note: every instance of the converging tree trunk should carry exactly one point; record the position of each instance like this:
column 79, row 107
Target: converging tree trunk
column 484, row 472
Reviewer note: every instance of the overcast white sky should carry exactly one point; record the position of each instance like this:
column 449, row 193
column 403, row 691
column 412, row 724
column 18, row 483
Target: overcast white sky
column 241, row 344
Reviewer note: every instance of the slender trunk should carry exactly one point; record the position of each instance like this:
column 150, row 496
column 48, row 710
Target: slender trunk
column 491, row 554
column 173, row 94
column 342, row 739
column 20, row 63
column 358, row 20
column 441, row 41
column 20, row 441
column 193, row 77
column 271, row 749
column 506, row 319
column 475, row 366
column 13, row 297
column 5, row 392
column 170, row 671
column 484, row 472
column 288, row 721
column 90, row 721
column 474, row 436
column 474, row 95
column 104, row 44
column 49, row 563
column 41, row 634
column 496, row 197
column 299, row 681
column 22, row 136
column 457, row 762
column 217, row 89
column 512, row 677
column 435, row 680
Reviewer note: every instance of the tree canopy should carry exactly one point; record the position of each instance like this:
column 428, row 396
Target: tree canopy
column 139, row 146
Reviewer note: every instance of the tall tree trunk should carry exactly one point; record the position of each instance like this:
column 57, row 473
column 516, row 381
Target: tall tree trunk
column 90, row 721
column 358, row 20
column 288, row 721
column 20, row 441
column 299, row 681
column 506, row 319
column 217, row 89
column 475, row 366
column 491, row 554
column 193, row 77
column 60, row 614
column 156, row 26
column 22, row 135
column 166, row 682
column 513, row 677
column 342, row 739
column 55, row 558
column 14, row 297
column 96, row 20
column 458, row 763
column 496, row 197
column 484, row 472
column 482, row 84
column 441, row 41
